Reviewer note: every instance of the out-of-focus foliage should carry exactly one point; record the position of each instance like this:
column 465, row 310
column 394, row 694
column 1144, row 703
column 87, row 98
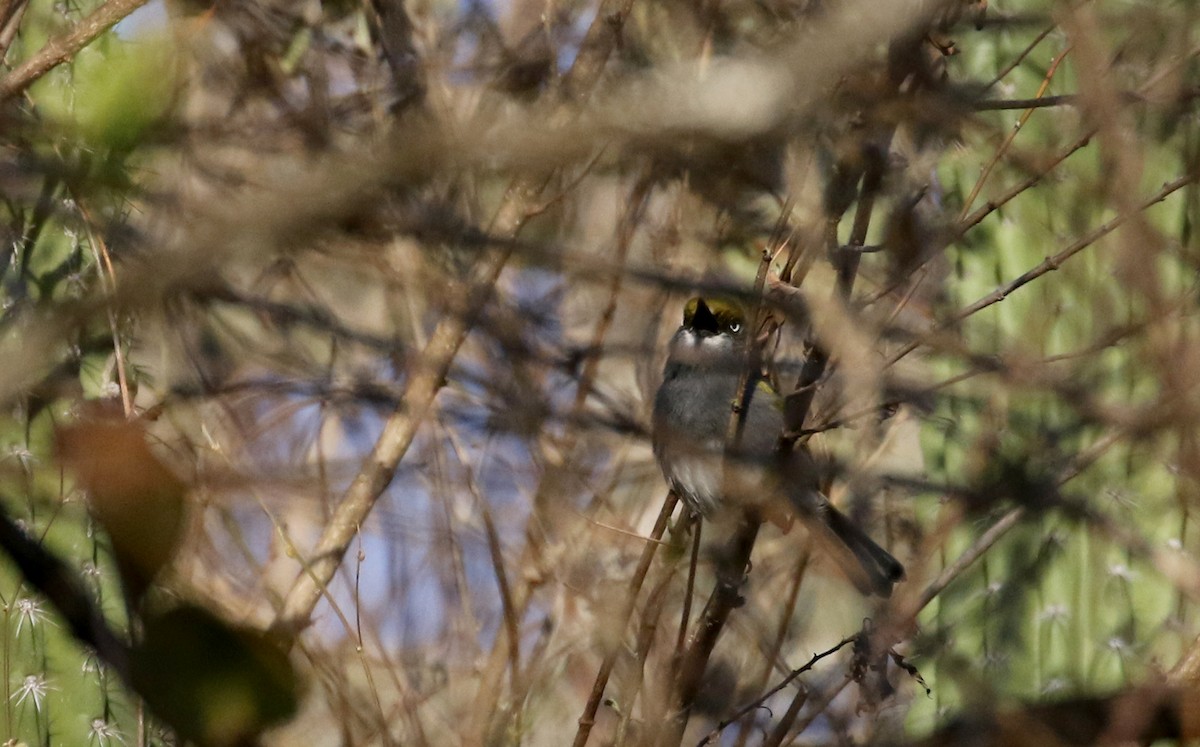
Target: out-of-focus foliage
column 380, row 291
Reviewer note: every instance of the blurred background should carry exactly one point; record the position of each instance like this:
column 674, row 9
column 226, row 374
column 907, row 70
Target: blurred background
column 337, row 326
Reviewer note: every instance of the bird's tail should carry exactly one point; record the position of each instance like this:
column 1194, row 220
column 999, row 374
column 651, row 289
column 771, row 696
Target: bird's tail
column 871, row 568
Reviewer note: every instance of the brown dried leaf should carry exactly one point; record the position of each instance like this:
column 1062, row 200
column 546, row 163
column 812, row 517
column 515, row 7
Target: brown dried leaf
column 136, row 498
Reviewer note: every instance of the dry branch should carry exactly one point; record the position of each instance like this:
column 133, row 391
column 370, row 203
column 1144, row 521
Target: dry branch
column 62, row 48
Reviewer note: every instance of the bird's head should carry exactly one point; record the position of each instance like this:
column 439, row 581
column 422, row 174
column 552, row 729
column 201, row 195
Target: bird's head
column 714, row 333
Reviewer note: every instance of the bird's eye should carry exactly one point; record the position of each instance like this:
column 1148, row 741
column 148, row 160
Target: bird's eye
column 735, row 327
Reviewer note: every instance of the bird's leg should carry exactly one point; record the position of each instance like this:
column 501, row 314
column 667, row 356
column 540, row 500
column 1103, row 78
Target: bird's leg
column 733, row 565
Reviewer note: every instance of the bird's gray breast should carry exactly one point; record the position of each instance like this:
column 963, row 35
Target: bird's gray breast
column 691, row 413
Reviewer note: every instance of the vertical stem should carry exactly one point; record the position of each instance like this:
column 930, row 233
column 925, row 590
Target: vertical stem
column 725, row 597
column 588, row 719
column 696, row 523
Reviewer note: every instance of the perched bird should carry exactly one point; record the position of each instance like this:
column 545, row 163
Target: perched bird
column 692, row 413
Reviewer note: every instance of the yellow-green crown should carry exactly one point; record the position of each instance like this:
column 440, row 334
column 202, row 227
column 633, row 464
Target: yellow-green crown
column 719, row 315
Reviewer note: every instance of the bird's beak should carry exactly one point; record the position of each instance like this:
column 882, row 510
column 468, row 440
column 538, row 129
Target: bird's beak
column 704, row 320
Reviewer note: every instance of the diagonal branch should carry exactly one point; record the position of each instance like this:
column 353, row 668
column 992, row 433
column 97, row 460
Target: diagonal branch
column 398, row 434
column 62, row 48
column 437, row 358
column 1049, row 264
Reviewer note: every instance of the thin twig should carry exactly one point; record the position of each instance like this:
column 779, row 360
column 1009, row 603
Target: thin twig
column 724, row 599
column 758, row 702
column 496, row 553
column 696, row 524
column 783, row 730
column 439, row 354
column 630, row 219
column 1067, row 99
column 588, row 718
column 1041, row 102
column 13, row 13
column 994, row 204
column 1050, row 263
column 993, row 534
column 1008, row 140
column 789, row 611
column 651, row 613
column 598, row 43
column 1004, row 71
column 108, row 281
column 391, row 446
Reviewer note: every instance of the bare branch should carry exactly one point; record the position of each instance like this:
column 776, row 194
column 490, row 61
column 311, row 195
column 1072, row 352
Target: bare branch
column 61, row 49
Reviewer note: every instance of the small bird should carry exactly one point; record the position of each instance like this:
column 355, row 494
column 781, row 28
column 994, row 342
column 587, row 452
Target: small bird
column 692, row 412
